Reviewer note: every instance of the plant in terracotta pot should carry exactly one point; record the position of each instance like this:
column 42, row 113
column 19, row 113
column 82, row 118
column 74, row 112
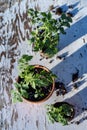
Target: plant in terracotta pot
column 60, row 112
column 46, row 31
column 35, row 83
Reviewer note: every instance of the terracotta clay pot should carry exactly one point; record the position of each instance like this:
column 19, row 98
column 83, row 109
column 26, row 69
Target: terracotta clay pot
column 49, row 94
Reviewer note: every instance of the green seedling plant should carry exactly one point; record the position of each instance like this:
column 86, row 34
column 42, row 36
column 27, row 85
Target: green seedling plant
column 32, row 79
column 46, row 30
column 59, row 114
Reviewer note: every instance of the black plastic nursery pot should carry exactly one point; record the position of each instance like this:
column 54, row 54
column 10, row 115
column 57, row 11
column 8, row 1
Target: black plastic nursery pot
column 69, row 118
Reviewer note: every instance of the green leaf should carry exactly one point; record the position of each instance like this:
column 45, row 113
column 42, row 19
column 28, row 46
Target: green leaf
column 31, row 10
column 33, row 85
column 36, row 95
column 63, row 16
column 25, row 58
column 62, row 30
column 43, row 14
column 25, row 86
column 49, row 16
column 17, row 85
column 44, row 19
column 16, row 97
column 24, row 93
column 36, row 13
column 69, row 19
column 66, row 24
column 32, row 40
column 33, row 33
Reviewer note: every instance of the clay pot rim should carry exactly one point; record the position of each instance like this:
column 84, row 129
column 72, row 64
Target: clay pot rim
column 51, row 92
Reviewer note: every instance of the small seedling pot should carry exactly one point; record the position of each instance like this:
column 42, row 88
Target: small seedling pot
column 58, row 104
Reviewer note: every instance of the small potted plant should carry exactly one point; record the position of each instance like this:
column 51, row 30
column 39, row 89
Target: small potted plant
column 46, row 31
column 60, row 112
column 35, row 83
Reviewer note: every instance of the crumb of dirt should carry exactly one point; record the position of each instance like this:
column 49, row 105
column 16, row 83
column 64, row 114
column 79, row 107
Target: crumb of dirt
column 74, row 36
column 69, row 14
column 77, row 122
column 72, row 122
column 59, row 11
column 41, row 58
column 75, row 86
column 83, row 40
column 46, row 57
column 70, row 6
column 51, row 61
column 83, row 108
column 51, row 7
column 81, row 55
column 57, row 93
column 75, row 76
column 58, row 57
column 60, row 87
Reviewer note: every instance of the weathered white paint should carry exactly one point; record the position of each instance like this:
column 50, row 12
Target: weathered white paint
column 14, row 30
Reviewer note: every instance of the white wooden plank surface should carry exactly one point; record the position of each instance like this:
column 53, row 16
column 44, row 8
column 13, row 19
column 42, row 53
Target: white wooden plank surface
column 14, row 30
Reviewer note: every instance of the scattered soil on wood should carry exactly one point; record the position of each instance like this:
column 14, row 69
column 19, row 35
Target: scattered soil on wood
column 75, row 86
column 51, row 7
column 59, row 57
column 69, row 14
column 70, row 6
column 60, row 88
column 58, row 11
column 75, row 76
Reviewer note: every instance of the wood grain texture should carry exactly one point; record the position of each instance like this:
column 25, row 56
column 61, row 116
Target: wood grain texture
column 14, row 32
